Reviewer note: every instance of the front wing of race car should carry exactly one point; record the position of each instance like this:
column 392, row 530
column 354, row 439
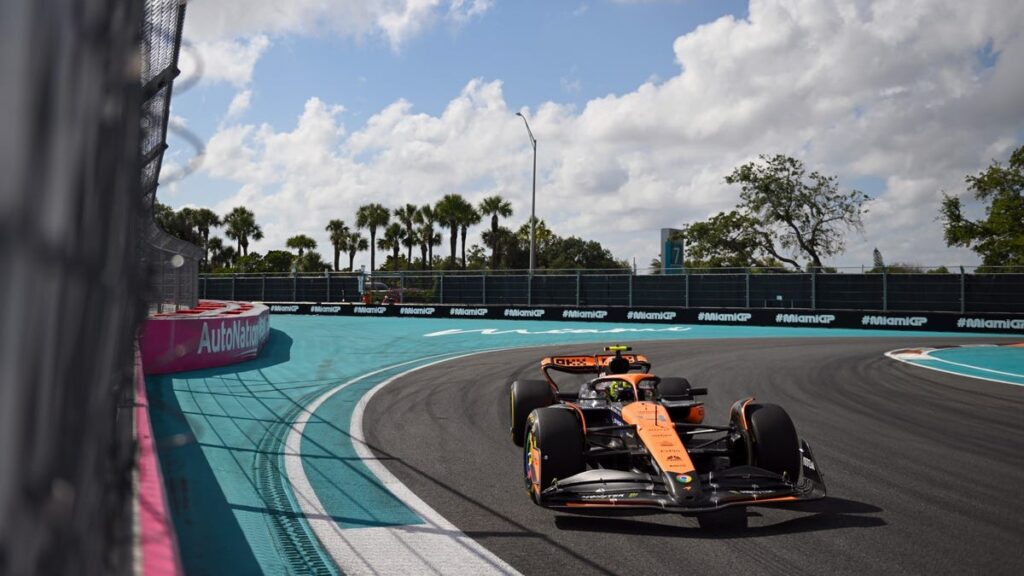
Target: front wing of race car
column 685, row 493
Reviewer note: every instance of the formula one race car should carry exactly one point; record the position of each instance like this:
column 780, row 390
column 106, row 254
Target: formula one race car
column 629, row 439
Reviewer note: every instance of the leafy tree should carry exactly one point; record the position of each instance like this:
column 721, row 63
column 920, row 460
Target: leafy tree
column 939, row 270
column 451, row 211
column 251, row 262
column 468, row 217
column 338, row 231
column 425, row 233
column 999, row 237
column 392, row 239
column 240, row 225
column 220, row 256
column 406, row 216
column 353, row 244
column 573, row 252
column 278, row 261
column 726, row 240
column 805, row 213
column 203, row 219
column 495, row 206
column 877, row 261
column 372, row 217
column 301, row 242
column 179, row 224
column 655, row 266
column 310, row 261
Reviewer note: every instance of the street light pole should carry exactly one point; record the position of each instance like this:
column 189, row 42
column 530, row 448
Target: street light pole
column 533, row 201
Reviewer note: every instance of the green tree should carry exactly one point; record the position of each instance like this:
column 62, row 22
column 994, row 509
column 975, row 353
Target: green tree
column 338, row 231
column 573, row 252
column 371, row 217
column 310, row 261
column 278, row 261
column 468, row 217
column 353, row 244
column 805, row 213
column 301, row 242
column 204, row 219
column 251, row 262
column 406, row 216
column 220, row 257
column 240, row 225
column 725, row 240
column 495, row 207
column 425, row 233
column 878, row 264
column 392, row 241
column 999, row 237
column 450, row 212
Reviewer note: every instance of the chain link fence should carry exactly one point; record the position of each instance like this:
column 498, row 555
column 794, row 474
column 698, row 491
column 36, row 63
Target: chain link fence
column 966, row 290
column 71, row 222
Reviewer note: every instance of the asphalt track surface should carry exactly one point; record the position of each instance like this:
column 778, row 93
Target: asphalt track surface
column 925, row 470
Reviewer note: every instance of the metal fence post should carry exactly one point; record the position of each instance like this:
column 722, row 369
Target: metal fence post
column 234, row 278
column 577, row 288
column 401, row 286
column 295, row 286
column 814, row 288
column 963, row 291
column 529, row 290
column 263, row 288
column 441, row 288
column 686, row 287
column 630, row 289
column 747, row 280
column 328, row 275
column 885, row 289
column 483, row 288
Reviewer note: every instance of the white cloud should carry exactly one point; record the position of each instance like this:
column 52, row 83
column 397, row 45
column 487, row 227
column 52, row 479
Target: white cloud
column 239, row 104
column 230, row 61
column 890, row 89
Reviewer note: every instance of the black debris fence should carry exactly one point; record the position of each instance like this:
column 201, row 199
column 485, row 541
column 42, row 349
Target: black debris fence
column 76, row 133
column 963, row 290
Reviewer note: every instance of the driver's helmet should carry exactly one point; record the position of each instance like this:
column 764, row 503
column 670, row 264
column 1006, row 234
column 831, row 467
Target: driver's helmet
column 620, row 391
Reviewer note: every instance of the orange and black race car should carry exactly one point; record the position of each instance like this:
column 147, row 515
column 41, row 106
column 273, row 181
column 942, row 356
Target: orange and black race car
column 630, row 439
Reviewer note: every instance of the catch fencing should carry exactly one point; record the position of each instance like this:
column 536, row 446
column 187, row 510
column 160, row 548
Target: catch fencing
column 967, row 290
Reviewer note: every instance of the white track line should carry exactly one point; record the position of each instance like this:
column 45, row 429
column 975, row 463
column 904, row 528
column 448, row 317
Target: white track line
column 895, row 355
column 438, row 548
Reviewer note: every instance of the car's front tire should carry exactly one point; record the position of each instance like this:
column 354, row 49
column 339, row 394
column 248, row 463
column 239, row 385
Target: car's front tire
column 553, row 449
column 776, row 446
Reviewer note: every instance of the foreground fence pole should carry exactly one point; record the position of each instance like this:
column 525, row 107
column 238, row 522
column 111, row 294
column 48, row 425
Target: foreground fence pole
column 441, row 288
column 814, row 288
column 263, row 288
column 746, row 279
column 295, row 286
column 963, row 291
column 483, row 288
column 328, row 275
column 630, row 290
column 885, row 289
column 529, row 289
column 577, row 288
column 686, row 289
column 234, row 279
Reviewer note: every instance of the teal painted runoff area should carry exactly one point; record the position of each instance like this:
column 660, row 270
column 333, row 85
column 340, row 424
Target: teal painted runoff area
column 221, row 432
column 998, row 363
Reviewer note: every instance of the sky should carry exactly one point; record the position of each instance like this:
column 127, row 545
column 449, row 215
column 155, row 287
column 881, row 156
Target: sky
column 308, row 109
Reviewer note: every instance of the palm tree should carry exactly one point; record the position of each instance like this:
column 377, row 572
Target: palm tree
column 428, row 238
column 301, row 243
column 354, row 243
column 495, row 206
column 338, row 231
column 392, row 240
column 371, row 217
column 406, row 215
column 204, row 219
column 240, row 225
column 451, row 211
column 468, row 217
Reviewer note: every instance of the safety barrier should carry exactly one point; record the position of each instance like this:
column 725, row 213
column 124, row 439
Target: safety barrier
column 930, row 321
column 209, row 335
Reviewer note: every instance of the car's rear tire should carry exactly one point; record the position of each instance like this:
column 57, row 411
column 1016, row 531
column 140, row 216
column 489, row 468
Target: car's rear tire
column 776, row 445
column 731, row 518
column 527, row 396
column 553, row 448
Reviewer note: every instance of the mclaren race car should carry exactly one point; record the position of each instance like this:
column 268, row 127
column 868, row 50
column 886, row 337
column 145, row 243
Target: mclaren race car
column 630, row 439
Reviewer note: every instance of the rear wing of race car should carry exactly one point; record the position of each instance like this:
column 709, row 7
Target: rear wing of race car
column 591, row 364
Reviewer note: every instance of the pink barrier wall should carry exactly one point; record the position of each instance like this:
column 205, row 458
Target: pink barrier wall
column 215, row 334
column 156, row 542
